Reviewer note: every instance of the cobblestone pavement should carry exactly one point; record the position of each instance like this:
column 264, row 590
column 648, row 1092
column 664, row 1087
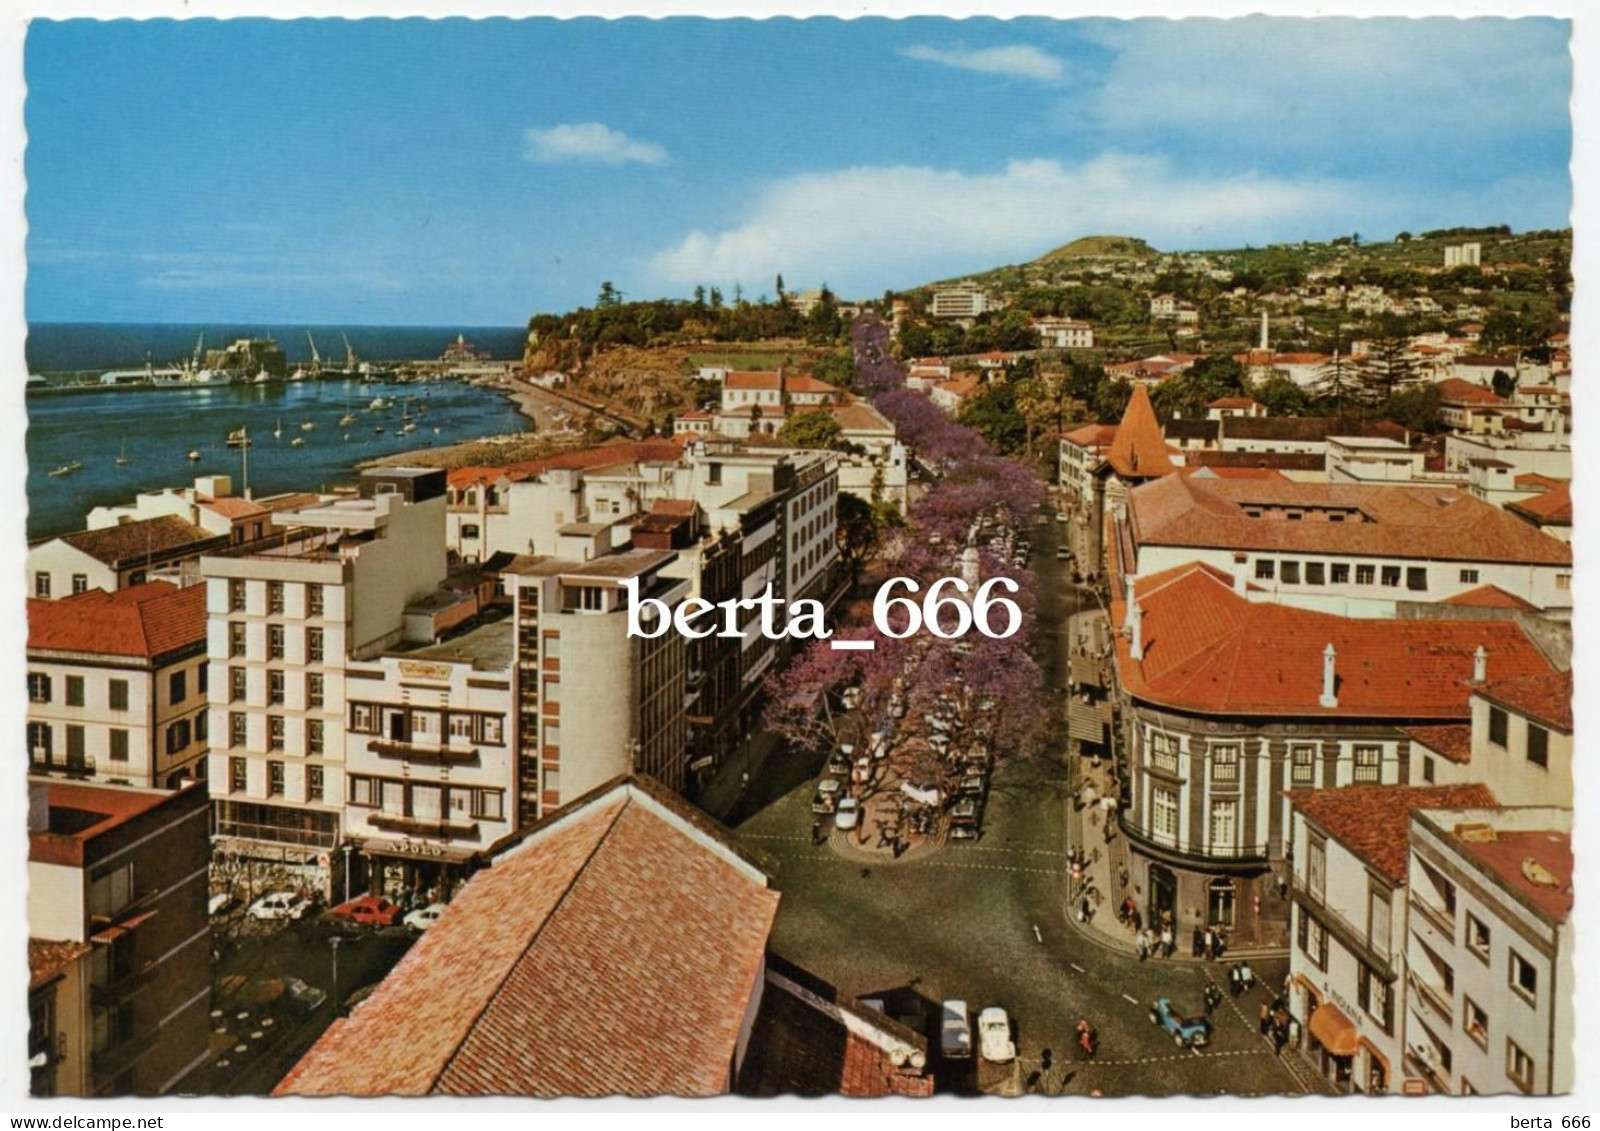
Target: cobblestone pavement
column 986, row 921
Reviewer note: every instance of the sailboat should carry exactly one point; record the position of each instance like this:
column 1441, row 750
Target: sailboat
column 122, row 456
column 67, row 468
column 297, row 442
column 239, row 438
column 277, row 429
column 306, row 425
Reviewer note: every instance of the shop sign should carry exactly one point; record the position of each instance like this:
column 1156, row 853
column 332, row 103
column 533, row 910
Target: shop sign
column 417, row 669
column 417, row 848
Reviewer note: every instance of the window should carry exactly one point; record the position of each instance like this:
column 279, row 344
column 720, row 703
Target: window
column 1225, row 763
column 363, row 718
column 313, row 736
column 492, row 730
column 80, row 583
column 38, row 687
column 238, row 775
column 1391, row 577
column 41, row 584
column 313, row 689
column 236, row 596
column 274, row 732
column 236, row 684
column 1291, row 573
column 1378, row 919
column 1375, row 996
column 274, row 687
column 1221, row 896
column 177, row 687
column 1316, row 866
column 1316, row 573
column 591, row 598
column 1469, row 577
column 1302, row 764
column 1427, row 769
column 275, row 597
column 314, row 783
column 314, row 645
column 460, row 726
column 119, row 744
column 490, row 805
column 238, row 724
column 201, row 726
column 74, row 691
column 1477, row 937
column 1366, row 575
column 39, row 739
column 1563, row 582
column 1369, row 764
column 1339, row 573
column 552, row 642
column 552, row 734
column 1163, row 751
column 1519, row 1066
column 177, row 736
column 1265, row 568
column 1539, row 746
column 469, row 530
column 1417, row 579
column 313, row 600
column 1313, row 938
column 365, row 792
column 1164, row 812
column 274, row 779
column 1475, row 1022
column 202, row 678
column 1224, row 825
column 1524, row 978
column 552, row 780
column 275, row 642
column 1497, row 727
column 235, row 638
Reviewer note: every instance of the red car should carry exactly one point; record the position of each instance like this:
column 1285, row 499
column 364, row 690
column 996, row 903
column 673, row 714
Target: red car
column 370, row 910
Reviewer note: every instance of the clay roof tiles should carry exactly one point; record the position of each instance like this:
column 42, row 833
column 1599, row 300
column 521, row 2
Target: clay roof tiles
column 131, row 541
column 1139, row 450
column 1548, row 699
column 1374, row 821
column 147, row 620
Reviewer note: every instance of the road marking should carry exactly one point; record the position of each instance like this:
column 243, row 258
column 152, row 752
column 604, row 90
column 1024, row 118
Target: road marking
column 852, row 645
column 1129, row 1000
column 1078, row 968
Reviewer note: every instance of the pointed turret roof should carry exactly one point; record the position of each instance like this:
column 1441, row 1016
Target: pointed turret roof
column 1139, row 450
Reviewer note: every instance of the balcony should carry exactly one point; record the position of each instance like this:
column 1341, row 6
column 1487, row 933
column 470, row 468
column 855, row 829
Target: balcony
column 434, row 828
column 424, row 754
column 1436, row 917
column 124, row 987
column 66, row 765
column 1352, row 937
column 1433, row 997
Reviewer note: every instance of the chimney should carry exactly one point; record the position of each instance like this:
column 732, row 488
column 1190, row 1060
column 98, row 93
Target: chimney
column 1264, row 331
column 1330, row 697
column 1127, row 595
column 1136, row 625
column 1241, row 580
column 1480, row 664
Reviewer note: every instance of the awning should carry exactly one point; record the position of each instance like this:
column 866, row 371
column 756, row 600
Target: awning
column 1084, row 722
column 1334, row 1031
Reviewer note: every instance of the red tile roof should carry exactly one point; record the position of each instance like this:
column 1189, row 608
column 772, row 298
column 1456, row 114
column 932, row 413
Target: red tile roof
column 1456, row 391
column 751, row 379
column 1385, row 521
column 1490, row 597
column 612, row 453
column 1139, row 450
column 1374, row 821
column 615, row 951
column 1452, row 741
column 49, row 957
column 1552, row 507
column 147, row 620
column 1533, row 481
column 805, row 383
column 1546, row 699
column 1210, row 651
column 1092, row 435
column 1234, row 402
column 233, row 507
column 859, row 416
column 131, row 541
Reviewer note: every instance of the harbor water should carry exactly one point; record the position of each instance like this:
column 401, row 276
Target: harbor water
column 155, row 430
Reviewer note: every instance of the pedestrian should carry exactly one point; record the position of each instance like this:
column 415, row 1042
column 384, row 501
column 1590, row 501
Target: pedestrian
column 1084, row 910
column 1168, row 946
column 744, row 780
column 1266, row 1018
column 1197, row 942
column 816, row 831
column 1141, row 943
column 1136, row 919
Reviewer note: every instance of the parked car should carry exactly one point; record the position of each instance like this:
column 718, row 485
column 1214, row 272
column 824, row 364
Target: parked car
column 966, row 819
column 973, row 785
column 848, row 814
column 280, row 905
column 1061, row 516
column 424, row 917
column 994, row 1036
column 826, row 799
column 851, row 697
column 1062, row 553
column 838, row 764
column 862, row 770
column 878, row 745
column 219, row 903
column 369, row 910
column 1187, row 1032
column 925, row 792
column 955, row 1030
column 303, row 997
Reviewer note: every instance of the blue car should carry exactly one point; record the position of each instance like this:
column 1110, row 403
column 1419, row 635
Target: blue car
column 1187, row 1032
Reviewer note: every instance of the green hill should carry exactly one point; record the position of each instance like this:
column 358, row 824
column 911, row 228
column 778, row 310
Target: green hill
column 1100, row 247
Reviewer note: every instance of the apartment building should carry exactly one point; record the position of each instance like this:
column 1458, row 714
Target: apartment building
column 209, row 504
column 1518, row 740
column 1356, row 550
column 1489, row 952
column 1064, row 333
column 116, row 557
column 117, row 686
column 963, row 300
column 1347, row 962
column 282, row 622
column 120, row 945
column 593, row 702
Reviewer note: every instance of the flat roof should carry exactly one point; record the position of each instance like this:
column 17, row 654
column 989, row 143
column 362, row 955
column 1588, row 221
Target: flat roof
column 487, row 644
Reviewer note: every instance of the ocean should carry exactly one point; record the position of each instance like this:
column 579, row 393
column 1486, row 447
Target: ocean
column 55, row 347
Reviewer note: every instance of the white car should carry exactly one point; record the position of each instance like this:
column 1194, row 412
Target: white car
column 280, row 905
column 851, row 698
column 926, row 793
column 994, row 1036
column 955, row 1031
column 219, row 903
column 424, row 917
column 848, row 813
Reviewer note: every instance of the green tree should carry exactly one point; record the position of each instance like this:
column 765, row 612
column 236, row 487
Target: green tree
column 994, row 413
column 1110, row 400
column 1504, row 384
column 1341, row 381
column 609, row 296
column 1282, row 396
column 814, row 429
column 1416, row 408
column 1390, row 364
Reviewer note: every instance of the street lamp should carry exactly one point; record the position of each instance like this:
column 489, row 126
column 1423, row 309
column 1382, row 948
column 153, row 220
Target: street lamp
column 348, row 848
column 334, row 942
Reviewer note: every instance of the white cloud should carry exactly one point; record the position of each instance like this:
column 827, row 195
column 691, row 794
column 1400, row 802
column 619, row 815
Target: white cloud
column 589, row 143
column 1019, row 61
column 864, row 229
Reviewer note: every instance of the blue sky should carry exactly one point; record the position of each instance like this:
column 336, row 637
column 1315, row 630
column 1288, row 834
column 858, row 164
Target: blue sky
column 477, row 172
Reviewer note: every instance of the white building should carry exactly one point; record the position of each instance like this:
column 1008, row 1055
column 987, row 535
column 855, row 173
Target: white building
column 282, row 624
column 1463, row 255
column 117, row 686
column 1064, row 333
column 963, row 300
column 1489, row 959
column 115, row 557
column 210, row 504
